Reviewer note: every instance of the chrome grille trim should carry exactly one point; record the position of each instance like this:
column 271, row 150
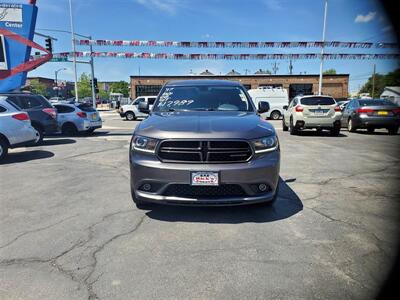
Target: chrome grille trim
column 205, row 151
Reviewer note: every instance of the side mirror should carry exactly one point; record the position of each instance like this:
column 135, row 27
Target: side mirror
column 144, row 107
column 285, row 107
column 263, row 107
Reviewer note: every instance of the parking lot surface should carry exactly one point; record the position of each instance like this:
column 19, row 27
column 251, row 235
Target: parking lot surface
column 69, row 229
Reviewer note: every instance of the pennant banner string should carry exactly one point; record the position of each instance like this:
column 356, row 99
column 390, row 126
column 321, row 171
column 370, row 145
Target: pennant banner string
column 262, row 56
column 312, row 44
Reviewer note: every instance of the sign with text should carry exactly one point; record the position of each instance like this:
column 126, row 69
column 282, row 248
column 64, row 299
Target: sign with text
column 16, row 20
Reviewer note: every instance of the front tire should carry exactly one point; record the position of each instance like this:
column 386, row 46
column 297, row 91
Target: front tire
column 393, row 130
column 284, row 127
column 41, row 135
column 275, row 115
column 130, row 116
column 69, row 130
column 3, row 149
column 335, row 131
column 370, row 130
column 292, row 129
column 350, row 126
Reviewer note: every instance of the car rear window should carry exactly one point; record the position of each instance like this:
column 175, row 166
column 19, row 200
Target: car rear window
column 86, row 107
column 375, row 102
column 318, row 101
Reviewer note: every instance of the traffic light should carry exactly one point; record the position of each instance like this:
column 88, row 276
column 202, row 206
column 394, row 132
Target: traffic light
column 95, row 83
column 49, row 45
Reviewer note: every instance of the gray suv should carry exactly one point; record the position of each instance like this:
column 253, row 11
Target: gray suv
column 204, row 143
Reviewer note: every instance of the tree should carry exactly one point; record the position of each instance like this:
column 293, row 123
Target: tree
column 104, row 94
column 37, row 87
column 84, row 87
column 330, row 72
column 120, row 87
column 381, row 81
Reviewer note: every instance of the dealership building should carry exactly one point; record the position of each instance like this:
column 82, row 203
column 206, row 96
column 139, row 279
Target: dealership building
column 335, row 85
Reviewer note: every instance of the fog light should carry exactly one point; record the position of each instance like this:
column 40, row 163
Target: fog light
column 262, row 187
column 146, row 187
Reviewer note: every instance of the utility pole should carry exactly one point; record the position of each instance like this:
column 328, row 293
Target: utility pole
column 321, row 67
column 246, row 71
column 92, row 70
column 74, row 50
column 373, row 82
column 290, row 67
column 275, row 68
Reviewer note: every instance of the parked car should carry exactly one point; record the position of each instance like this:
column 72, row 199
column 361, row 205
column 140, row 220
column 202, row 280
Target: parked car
column 276, row 97
column 15, row 128
column 371, row 114
column 312, row 112
column 42, row 114
column 204, row 143
column 343, row 104
column 78, row 117
column 131, row 112
column 55, row 99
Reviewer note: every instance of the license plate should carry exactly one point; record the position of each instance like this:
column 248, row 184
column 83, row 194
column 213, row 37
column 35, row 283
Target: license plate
column 94, row 117
column 382, row 113
column 205, row 178
column 93, row 124
column 319, row 112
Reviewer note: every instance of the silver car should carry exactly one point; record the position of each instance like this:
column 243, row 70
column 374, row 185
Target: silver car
column 15, row 128
column 76, row 118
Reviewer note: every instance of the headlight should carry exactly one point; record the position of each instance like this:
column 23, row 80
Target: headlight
column 266, row 144
column 144, row 144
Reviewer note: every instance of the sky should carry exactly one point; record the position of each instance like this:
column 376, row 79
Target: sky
column 214, row 20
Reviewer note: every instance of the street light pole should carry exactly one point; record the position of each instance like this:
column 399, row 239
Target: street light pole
column 56, row 73
column 92, row 70
column 74, row 50
column 321, row 67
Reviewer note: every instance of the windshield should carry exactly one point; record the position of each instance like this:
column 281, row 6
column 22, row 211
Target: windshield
column 377, row 102
column 203, row 98
column 318, row 101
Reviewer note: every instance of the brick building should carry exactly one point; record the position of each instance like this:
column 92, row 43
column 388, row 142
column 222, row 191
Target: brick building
column 65, row 90
column 335, row 85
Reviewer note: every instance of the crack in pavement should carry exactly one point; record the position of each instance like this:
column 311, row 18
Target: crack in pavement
column 80, row 243
column 92, row 294
column 36, row 230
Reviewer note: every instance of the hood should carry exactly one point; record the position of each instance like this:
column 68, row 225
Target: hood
column 204, row 125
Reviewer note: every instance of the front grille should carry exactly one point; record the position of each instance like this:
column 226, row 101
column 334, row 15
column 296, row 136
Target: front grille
column 198, row 192
column 205, row 151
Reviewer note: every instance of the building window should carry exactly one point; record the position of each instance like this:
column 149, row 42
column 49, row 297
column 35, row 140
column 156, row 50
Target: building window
column 300, row 89
column 147, row 90
column 270, row 85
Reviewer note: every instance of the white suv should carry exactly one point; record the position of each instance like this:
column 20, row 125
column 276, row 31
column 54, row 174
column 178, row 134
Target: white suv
column 131, row 111
column 309, row 112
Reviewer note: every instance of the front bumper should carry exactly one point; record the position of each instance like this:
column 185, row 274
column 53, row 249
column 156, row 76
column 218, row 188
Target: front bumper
column 122, row 114
column 163, row 176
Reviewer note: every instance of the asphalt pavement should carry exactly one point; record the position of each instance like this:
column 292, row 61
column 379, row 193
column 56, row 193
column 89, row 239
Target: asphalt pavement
column 69, row 229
